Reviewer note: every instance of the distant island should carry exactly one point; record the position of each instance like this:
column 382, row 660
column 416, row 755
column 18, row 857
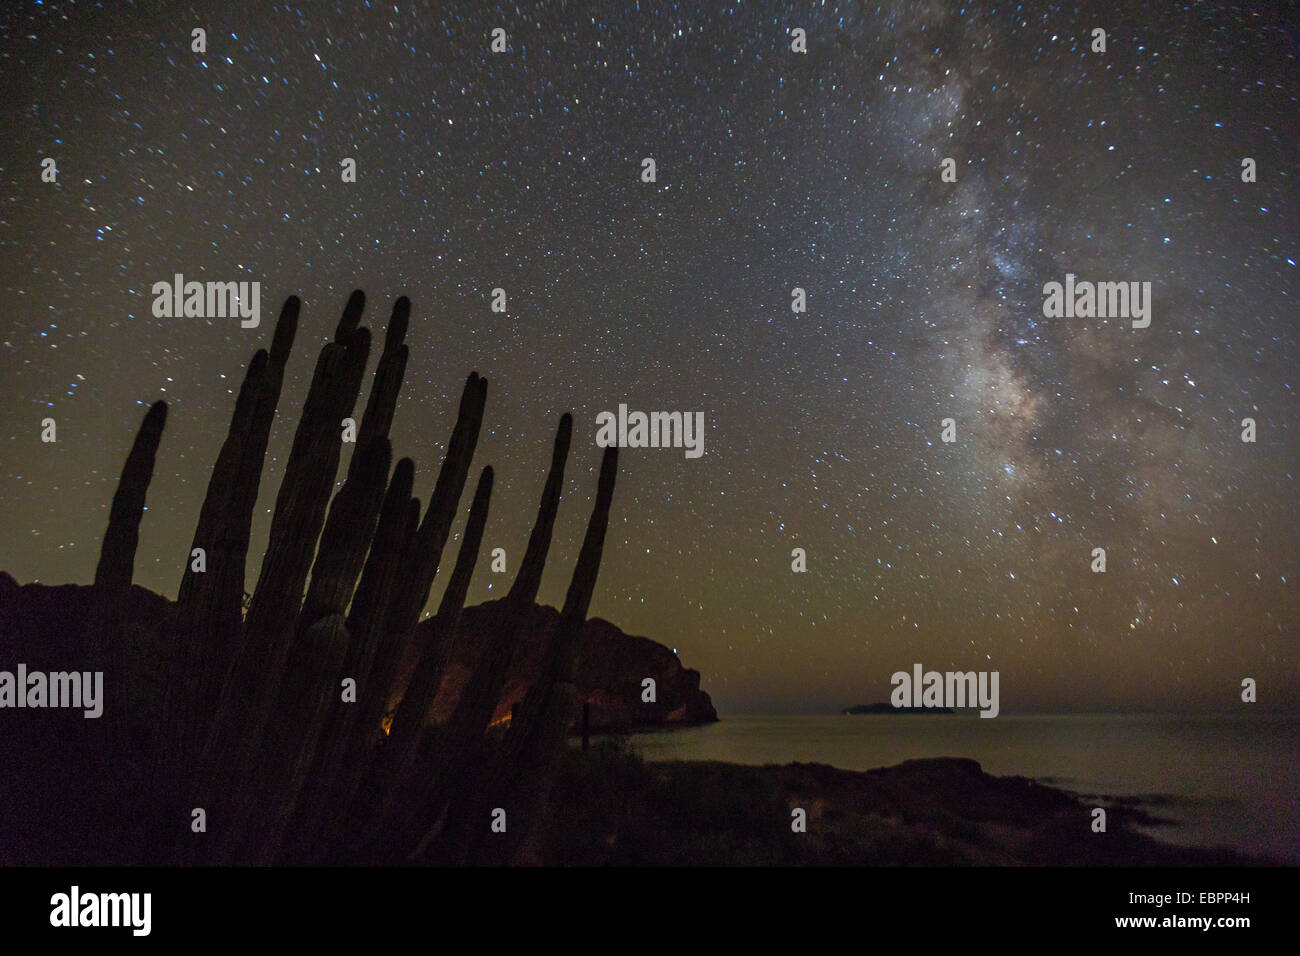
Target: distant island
column 891, row 709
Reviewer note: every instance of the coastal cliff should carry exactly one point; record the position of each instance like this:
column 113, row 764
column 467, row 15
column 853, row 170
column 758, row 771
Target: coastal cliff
column 611, row 668
column 44, row 626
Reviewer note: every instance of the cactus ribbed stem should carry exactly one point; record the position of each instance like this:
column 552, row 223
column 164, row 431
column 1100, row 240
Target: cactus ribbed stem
column 459, row 745
column 525, row 773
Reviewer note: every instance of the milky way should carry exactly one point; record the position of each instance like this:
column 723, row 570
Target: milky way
column 775, row 170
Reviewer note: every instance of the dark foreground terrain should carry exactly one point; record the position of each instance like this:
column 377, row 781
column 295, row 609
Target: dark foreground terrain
column 610, row 807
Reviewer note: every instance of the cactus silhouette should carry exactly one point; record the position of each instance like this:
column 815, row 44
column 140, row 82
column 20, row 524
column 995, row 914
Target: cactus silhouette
column 271, row 712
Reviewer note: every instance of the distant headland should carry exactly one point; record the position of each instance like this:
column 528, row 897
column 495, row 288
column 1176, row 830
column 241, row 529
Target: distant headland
column 891, row 709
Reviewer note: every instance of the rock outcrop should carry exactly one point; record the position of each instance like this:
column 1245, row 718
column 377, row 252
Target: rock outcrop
column 43, row 626
column 611, row 668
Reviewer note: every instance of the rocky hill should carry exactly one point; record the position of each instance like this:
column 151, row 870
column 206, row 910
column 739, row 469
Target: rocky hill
column 611, row 670
column 41, row 625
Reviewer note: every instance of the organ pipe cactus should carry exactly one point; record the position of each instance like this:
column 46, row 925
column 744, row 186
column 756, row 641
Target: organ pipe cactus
column 255, row 729
column 202, row 634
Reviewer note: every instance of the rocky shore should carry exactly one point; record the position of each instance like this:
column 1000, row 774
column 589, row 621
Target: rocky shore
column 614, row 809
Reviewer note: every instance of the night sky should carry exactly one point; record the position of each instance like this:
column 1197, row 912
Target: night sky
column 775, row 169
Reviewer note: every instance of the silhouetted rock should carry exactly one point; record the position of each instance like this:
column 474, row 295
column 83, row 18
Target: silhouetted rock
column 45, row 625
column 612, row 808
column 611, row 667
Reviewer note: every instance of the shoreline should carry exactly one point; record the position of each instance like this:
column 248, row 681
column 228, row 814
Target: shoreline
column 943, row 811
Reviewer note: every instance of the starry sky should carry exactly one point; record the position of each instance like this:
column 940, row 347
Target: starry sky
column 774, row 169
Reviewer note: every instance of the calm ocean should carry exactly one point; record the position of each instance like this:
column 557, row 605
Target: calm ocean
column 1232, row 781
